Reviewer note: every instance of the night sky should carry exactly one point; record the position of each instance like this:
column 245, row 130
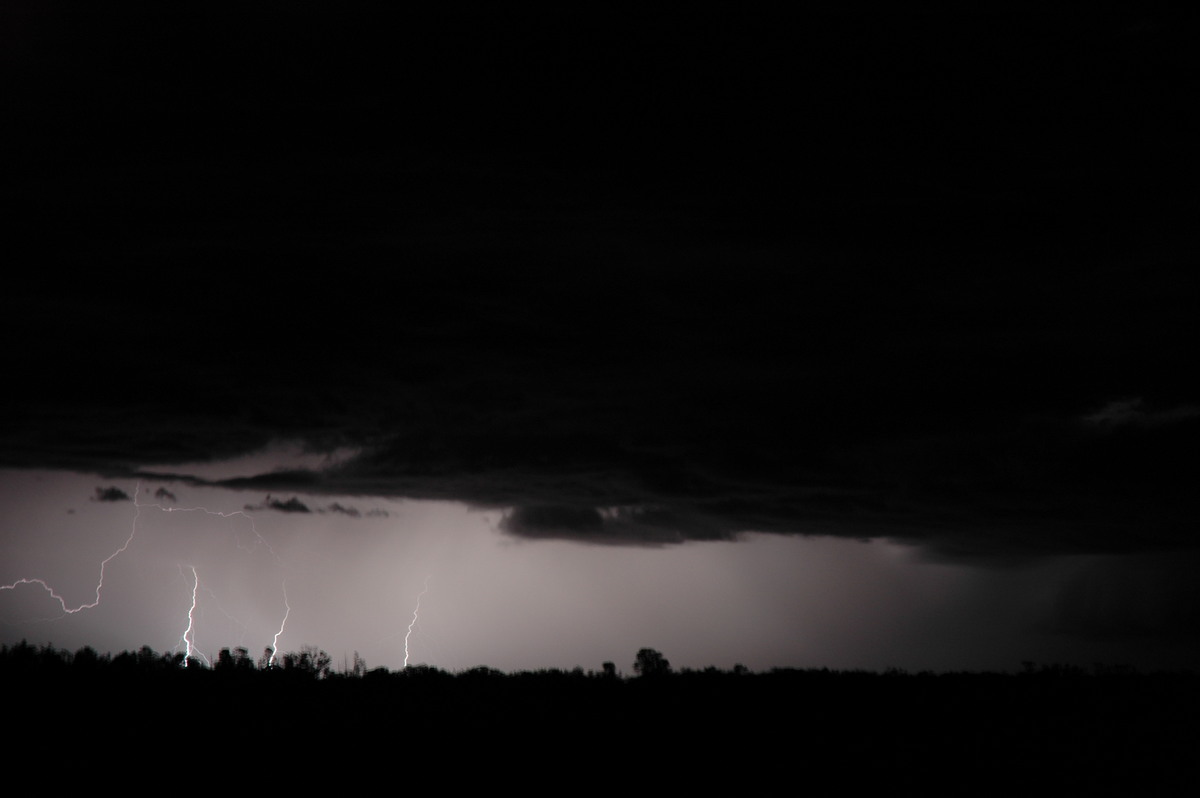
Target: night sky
column 848, row 341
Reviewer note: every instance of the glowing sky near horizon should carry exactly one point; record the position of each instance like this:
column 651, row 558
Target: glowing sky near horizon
column 762, row 601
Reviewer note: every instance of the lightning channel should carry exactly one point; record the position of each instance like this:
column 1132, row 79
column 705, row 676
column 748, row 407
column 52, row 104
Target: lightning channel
column 413, row 622
column 260, row 540
column 189, row 635
column 103, row 565
column 282, row 624
column 187, row 640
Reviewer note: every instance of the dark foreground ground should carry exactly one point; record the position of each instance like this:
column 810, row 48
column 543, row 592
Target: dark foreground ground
column 104, row 720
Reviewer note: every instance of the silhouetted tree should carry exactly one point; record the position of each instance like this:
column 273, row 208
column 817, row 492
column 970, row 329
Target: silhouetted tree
column 610, row 670
column 147, row 658
column 87, row 659
column 651, row 663
column 237, row 660
column 310, row 661
column 241, row 659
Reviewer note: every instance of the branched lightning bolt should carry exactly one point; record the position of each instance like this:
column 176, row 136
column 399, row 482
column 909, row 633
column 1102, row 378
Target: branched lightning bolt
column 104, row 564
column 188, row 638
column 413, row 622
column 260, row 539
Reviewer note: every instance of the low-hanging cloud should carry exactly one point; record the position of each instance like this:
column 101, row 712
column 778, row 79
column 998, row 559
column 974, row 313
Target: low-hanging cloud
column 629, row 526
column 110, row 494
column 292, row 505
column 353, row 512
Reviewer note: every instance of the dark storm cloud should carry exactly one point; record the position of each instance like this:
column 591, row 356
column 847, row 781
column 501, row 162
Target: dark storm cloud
column 612, row 526
column 354, row 512
column 110, row 494
column 292, row 505
column 163, row 493
column 294, row 479
column 863, row 278
column 582, row 522
column 1025, row 487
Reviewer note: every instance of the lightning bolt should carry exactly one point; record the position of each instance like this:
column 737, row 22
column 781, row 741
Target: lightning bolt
column 283, row 623
column 104, row 564
column 413, row 622
column 188, row 638
column 261, row 541
column 189, row 634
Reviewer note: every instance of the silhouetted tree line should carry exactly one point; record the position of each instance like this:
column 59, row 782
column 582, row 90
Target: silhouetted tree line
column 1046, row 724
column 26, row 659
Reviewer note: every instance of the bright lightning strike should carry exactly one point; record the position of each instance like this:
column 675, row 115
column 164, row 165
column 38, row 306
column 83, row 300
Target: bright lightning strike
column 189, row 635
column 104, row 564
column 188, row 638
column 283, row 623
column 260, row 541
column 413, row 622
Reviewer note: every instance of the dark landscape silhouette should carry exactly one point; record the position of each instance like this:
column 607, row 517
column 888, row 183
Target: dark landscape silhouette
column 1052, row 725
